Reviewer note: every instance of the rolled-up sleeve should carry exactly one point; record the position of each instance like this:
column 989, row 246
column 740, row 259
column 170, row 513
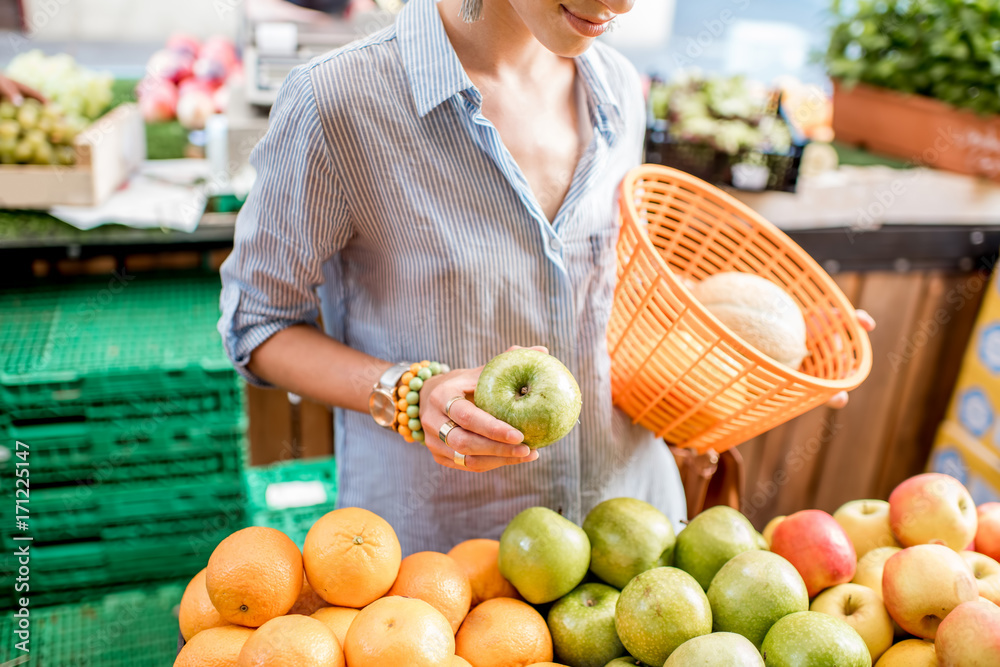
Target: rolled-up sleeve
column 294, row 220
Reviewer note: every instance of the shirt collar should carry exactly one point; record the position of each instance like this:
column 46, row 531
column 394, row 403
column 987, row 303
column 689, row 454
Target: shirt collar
column 434, row 70
column 436, row 74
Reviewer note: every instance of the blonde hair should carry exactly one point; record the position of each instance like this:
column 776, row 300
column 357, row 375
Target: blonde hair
column 472, row 10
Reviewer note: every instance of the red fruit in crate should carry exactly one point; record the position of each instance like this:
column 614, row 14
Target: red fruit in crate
column 221, row 50
column 818, row 547
column 170, row 65
column 210, row 70
column 195, row 85
column 194, row 108
column 988, row 533
column 184, row 44
column 157, row 100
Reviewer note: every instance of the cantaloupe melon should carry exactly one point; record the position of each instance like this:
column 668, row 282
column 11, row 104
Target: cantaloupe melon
column 758, row 311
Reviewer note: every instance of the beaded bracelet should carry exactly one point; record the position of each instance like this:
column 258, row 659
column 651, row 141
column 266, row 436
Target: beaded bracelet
column 407, row 422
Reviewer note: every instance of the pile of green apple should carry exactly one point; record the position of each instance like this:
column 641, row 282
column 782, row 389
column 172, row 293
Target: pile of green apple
column 895, row 582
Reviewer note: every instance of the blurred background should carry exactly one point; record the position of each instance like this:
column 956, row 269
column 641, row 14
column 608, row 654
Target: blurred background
column 870, row 134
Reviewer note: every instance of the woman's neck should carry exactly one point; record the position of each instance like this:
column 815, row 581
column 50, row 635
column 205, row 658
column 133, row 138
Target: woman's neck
column 499, row 45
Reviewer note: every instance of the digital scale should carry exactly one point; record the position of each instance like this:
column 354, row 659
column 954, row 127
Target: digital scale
column 272, row 49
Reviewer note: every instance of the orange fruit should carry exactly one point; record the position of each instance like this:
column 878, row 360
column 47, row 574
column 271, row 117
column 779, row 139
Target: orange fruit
column 292, row 641
column 504, row 632
column 479, row 560
column 351, row 557
column 308, row 601
column 214, row 647
column 459, row 662
column 437, row 580
column 399, row 631
column 254, row 575
column 197, row 611
column 338, row 619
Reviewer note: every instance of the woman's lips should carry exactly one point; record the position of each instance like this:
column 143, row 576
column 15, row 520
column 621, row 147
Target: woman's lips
column 583, row 26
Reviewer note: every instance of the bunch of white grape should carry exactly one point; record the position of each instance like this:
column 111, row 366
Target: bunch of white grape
column 37, row 134
column 79, row 91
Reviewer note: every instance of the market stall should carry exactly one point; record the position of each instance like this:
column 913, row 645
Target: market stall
column 159, row 508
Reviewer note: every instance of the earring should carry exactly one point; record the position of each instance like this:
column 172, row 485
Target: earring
column 472, row 10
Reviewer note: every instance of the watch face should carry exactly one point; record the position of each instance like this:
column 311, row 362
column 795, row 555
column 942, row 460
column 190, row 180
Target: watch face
column 382, row 407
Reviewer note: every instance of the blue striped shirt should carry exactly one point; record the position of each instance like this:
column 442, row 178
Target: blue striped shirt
column 388, row 202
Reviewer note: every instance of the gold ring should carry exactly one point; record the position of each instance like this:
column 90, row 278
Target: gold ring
column 451, row 402
column 445, row 429
column 459, row 459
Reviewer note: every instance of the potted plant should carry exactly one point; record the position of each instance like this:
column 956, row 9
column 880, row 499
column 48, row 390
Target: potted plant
column 918, row 79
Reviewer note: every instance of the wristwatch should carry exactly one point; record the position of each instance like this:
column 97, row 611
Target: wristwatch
column 382, row 400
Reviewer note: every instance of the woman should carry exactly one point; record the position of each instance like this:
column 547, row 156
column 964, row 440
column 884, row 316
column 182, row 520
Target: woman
column 441, row 190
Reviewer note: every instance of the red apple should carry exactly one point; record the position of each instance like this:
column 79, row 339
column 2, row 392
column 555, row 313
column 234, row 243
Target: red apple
column 922, row 584
column 970, row 636
column 818, row 547
column 988, row 532
column 185, row 44
column 157, row 100
column 932, row 508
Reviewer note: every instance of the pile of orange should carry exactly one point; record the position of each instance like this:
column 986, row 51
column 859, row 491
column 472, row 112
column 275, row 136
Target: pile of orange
column 349, row 599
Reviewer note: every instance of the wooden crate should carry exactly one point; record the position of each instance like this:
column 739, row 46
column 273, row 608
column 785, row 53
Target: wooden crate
column 107, row 152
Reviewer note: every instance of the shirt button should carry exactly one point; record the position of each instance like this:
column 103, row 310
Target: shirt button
column 555, row 244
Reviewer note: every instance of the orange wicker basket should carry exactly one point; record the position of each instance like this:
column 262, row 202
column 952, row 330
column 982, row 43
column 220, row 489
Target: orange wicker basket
column 675, row 368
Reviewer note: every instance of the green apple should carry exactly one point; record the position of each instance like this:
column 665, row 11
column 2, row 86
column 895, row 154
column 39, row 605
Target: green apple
column 710, row 540
column 533, row 392
column 752, row 592
column 627, row 537
column 812, row 639
column 543, row 554
column 582, row 624
column 658, row 611
column 861, row 609
column 719, row 649
column 625, row 662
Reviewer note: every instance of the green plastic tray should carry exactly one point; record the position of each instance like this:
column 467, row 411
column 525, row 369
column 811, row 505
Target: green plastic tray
column 86, row 570
column 127, row 450
column 108, row 512
column 312, row 482
column 131, row 628
column 99, row 340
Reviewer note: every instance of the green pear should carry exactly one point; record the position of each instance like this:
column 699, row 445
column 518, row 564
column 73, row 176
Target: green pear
column 710, row 540
column 543, row 554
column 627, row 537
column 582, row 624
column 752, row 592
column 658, row 611
column 719, row 649
column 814, row 639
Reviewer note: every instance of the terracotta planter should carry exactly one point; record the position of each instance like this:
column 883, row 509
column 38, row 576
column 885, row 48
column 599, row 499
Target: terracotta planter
column 920, row 129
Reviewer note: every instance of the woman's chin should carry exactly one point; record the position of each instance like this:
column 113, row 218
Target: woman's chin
column 567, row 46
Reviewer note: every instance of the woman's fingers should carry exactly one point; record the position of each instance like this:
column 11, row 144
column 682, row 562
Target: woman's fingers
column 838, row 400
column 866, row 321
column 444, row 454
column 469, row 417
column 537, row 348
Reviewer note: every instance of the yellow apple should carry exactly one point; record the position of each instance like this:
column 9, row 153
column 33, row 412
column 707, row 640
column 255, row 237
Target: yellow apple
column 866, row 522
column 861, row 609
column 987, row 574
column 910, row 653
column 922, row 584
column 870, row 566
column 768, row 531
column 933, row 508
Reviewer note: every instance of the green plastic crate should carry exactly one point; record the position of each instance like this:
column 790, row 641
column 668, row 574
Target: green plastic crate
column 153, row 507
column 86, row 570
column 130, row 628
column 213, row 404
column 96, row 341
column 291, row 495
column 126, row 450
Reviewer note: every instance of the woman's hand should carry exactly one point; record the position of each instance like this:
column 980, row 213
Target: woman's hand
column 485, row 441
column 867, row 322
